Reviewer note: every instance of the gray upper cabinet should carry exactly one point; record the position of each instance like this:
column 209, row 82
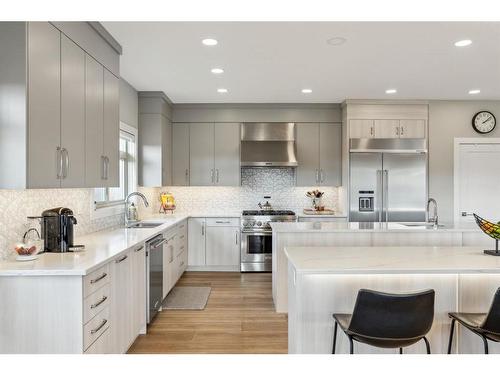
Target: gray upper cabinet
column 227, row 154
column 201, row 154
column 166, row 128
column 94, row 110
column 44, row 108
column 111, row 129
column 180, row 154
column 319, row 154
column 72, row 113
column 71, row 105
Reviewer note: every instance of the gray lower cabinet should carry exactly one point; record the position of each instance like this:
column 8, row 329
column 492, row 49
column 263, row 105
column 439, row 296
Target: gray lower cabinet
column 319, row 154
column 201, row 154
column 223, row 246
column 180, row 154
column 196, row 241
column 214, row 154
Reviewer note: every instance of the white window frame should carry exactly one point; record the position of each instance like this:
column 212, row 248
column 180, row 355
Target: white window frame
column 115, row 208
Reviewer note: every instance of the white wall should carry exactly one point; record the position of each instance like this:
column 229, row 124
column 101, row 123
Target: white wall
column 449, row 120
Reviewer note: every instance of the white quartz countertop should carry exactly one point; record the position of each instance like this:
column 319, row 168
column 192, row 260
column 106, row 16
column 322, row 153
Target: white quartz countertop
column 329, row 227
column 391, row 260
column 100, row 248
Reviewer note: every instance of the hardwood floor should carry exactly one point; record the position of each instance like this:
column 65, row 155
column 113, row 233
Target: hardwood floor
column 239, row 318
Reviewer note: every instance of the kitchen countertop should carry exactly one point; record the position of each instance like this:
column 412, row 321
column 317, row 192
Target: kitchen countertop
column 100, row 248
column 392, row 260
column 331, row 227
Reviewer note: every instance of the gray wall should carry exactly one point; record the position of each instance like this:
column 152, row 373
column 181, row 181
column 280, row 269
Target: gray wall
column 257, row 113
column 449, row 120
column 128, row 104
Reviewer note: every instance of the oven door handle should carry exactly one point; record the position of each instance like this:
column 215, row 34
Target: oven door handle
column 257, row 233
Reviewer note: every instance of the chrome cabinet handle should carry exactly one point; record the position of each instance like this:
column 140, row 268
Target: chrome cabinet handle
column 97, row 329
column 212, row 175
column 236, row 238
column 59, row 163
column 159, row 243
column 202, row 229
column 103, row 162
column 97, row 304
column 99, row 278
column 107, row 167
column 222, row 222
column 397, row 130
column 371, row 131
column 121, row 259
column 321, row 176
column 317, row 176
column 182, row 263
column 465, row 213
column 66, row 162
column 187, row 176
column 139, row 249
column 217, row 175
column 402, row 130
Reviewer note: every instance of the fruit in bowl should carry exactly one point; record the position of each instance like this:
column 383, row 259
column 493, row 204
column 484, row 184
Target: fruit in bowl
column 25, row 249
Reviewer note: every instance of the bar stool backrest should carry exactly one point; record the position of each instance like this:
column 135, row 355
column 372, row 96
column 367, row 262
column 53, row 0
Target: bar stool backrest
column 492, row 321
column 398, row 316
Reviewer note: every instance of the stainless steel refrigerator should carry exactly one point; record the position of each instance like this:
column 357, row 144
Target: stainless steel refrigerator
column 388, row 187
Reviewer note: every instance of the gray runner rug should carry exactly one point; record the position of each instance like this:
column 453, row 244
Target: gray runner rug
column 187, row 298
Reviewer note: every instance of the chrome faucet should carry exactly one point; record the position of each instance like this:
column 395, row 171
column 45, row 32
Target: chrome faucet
column 434, row 218
column 129, row 216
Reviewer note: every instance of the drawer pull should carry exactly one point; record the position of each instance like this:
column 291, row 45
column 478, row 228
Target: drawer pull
column 99, row 278
column 97, row 329
column 182, row 247
column 182, row 263
column 139, row 249
column 97, row 304
column 222, row 222
column 182, row 236
column 121, row 259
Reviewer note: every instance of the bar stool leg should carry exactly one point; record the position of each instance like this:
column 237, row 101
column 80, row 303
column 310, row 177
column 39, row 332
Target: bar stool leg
column 351, row 345
column 427, row 345
column 334, row 338
column 485, row 341
column 452, row 329
column 400, row 350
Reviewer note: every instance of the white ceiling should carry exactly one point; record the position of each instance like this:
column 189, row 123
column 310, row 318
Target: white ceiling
column 270, row 62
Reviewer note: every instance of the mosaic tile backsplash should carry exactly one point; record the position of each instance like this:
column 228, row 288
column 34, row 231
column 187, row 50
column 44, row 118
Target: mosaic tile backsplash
column 17, row 205
column 279, row 183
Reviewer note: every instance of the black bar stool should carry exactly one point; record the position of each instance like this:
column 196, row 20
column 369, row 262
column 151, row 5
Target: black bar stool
column 486, row 326
column 387, row 320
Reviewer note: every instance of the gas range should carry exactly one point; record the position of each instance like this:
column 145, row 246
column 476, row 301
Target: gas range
column 259, row 220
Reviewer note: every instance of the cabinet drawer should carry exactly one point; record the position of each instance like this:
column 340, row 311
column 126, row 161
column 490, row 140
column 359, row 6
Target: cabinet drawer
column 102, row 345
column 95, row 280
column 95, row 328
column 223, row 222
column 96, row 302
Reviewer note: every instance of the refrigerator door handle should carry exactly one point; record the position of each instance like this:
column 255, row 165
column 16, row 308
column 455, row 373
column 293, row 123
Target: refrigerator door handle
column 386, row 194
column 379, row 196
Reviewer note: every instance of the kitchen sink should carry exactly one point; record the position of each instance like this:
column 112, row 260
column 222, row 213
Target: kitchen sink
column 144, row 224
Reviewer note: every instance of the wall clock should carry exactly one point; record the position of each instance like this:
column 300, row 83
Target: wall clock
column 484, row 122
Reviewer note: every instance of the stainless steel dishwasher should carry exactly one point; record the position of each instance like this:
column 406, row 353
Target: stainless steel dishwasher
column 154, row 253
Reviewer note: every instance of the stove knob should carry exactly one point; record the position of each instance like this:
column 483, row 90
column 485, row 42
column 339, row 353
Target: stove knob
column 259, row 223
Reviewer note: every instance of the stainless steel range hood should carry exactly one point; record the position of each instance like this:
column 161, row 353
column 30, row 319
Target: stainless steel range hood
column 268, row 144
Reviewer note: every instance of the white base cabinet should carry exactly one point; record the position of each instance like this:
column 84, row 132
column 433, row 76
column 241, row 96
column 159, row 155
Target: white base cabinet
column 214, row 244
column 175, row 255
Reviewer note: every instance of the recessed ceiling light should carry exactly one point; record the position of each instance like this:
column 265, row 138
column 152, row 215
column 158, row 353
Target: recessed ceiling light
column 391, row 91
column 217, row 70
column 336, row 41
column 209, row 42
column 463, row 43
column 306, row 91
column 474, row 92
column 221, row 91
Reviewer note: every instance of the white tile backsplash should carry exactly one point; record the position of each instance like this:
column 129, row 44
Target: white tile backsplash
column 279, row 183
column 17, row 205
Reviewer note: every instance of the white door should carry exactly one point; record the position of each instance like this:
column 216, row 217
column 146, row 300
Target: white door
column 476, row 182
column 223, row 246
column 386, row 128
column 361, row 129
column 196, row 242
column 412, row 129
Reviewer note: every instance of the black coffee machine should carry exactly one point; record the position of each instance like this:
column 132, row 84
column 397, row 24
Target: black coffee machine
column 57, row 229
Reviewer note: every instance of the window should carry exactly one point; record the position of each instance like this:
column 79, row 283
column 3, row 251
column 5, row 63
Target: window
column 106, row 197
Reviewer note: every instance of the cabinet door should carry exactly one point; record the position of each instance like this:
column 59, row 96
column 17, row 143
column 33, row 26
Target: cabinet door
column 44, row 91
column 386, row 128
column 308, row 154
column 166, row 154
column 121, row 312
column 227, row 154
column 168, row 259
column 111, row 130
column 180, row 154
column 330, row 154
column 139, row 305
column 361, row 129
column 72, row 113
column 196, row 242
column 94, row 116
column 201, row 154
column 412, row 128
column 223, row 246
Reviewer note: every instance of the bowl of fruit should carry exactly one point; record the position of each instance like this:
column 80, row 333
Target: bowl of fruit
column 29, row 248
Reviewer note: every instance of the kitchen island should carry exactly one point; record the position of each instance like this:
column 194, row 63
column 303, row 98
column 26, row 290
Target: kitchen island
column 311, row 234
column 326, row 280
